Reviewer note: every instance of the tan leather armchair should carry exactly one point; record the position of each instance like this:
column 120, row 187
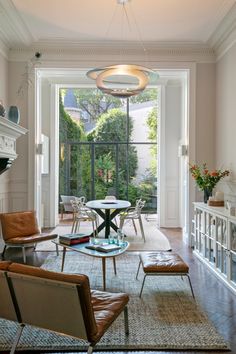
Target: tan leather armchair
column 20, row 229
column 85, row 314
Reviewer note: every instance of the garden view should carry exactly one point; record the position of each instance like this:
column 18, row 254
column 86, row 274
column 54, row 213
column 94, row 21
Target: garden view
column 108, row 146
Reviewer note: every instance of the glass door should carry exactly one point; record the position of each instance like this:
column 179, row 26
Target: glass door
column 108, row 146
column 105, row 166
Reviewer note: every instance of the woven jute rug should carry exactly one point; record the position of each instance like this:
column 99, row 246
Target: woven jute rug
column 165, row 318
column 155, row 240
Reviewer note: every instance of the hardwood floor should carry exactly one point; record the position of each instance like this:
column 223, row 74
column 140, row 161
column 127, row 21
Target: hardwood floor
column 218, row 301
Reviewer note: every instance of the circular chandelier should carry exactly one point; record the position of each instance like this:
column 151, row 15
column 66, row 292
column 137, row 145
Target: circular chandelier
column 122, row 80
column 121, row 76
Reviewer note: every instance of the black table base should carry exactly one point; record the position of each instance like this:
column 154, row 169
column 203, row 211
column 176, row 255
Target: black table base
column 107, row 216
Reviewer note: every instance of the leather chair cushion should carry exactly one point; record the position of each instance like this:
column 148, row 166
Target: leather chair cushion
column 163, row 262
column 4, row 265
column 32, row 238
column 80, row 279
column 107, row 307
column 19, row 224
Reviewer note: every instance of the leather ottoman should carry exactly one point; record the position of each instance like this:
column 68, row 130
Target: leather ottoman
column 163, row 263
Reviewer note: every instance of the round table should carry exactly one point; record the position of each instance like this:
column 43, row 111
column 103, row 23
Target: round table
column 103, row 207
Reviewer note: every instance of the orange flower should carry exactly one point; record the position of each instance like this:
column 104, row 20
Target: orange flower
column 214, row 174
column 206, row 179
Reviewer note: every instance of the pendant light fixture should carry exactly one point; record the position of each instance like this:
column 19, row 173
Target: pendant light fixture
column 122, row 80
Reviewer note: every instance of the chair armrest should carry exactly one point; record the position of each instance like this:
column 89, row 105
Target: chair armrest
column 127, row 211
column 90, row 212
column 130, row 209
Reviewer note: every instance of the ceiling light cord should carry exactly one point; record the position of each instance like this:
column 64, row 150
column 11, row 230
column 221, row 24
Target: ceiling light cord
column 123, row 80
column 111, row 21
column 140, row 39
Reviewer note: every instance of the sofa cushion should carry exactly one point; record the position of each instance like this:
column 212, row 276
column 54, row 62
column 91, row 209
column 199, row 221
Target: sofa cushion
column 19, row 224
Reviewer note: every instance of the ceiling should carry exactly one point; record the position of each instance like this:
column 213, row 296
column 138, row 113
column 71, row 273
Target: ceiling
column 26, row 22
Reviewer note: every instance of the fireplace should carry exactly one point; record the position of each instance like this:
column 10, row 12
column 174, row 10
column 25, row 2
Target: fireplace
column 9, row 132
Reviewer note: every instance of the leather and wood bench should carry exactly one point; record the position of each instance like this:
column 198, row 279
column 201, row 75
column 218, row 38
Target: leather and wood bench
column 63, row 303
column 163, row 263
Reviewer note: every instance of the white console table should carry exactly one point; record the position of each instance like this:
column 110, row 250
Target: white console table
column 214, row 241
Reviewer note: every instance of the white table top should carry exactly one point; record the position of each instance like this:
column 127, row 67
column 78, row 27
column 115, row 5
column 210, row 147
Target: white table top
column 81, row 248
column 108, row 204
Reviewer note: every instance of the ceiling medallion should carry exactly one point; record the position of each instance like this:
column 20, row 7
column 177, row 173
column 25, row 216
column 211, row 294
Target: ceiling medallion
column 122, row 80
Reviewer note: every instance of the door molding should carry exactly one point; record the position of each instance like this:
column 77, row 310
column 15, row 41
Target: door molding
column 34, row 127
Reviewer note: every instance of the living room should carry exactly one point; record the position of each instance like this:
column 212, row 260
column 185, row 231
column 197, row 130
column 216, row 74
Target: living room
column 39, row 55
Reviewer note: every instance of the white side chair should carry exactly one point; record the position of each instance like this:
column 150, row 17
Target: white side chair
column 82, row 213
column 133, row 213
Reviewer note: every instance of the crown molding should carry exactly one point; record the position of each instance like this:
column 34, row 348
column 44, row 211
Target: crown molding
column 108, row 51
column 225, row 35
column 13, row 31
column 226, row 45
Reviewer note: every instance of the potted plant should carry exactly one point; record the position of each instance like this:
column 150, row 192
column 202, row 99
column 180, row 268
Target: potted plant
column 206, row 179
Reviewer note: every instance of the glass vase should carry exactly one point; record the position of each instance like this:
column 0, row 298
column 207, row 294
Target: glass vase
column 207, row 194
column 14, row 114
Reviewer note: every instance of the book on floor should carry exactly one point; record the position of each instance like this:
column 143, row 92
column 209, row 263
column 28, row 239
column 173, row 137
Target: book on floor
column 73, row 239
column 104, row 247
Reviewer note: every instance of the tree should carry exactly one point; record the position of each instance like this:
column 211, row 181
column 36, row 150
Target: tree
column 111, row 127
column 95, row 102
column 152, row 136
column 145, row 96
column 76, row 182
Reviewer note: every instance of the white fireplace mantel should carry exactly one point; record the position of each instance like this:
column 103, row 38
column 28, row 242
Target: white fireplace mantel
column 9, row 132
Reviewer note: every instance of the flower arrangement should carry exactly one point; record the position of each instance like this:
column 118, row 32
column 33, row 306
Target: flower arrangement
column 206, row 179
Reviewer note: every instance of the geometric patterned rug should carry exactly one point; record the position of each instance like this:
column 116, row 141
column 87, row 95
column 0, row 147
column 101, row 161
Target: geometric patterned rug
column 165, row 318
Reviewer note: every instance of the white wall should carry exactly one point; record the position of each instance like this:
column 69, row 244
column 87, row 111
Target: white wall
column 46, row 130
column 4, row 178
column 169, row 163
column 139, row 113
column 226, row 120
column 19, row 170
column 205, row 118
column 205, row 114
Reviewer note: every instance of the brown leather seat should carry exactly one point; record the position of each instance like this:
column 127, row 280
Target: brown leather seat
column 85, row 314
column 163, row 263
column 20, row 229
column 167, row 262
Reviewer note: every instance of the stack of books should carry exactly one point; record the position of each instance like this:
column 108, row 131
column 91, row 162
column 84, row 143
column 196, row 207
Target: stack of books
column 73, row 239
